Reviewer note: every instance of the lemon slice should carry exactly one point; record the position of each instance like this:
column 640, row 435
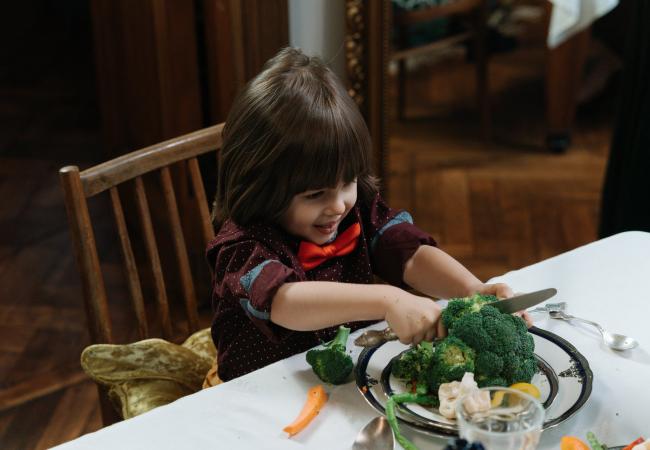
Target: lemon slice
column 528, row 388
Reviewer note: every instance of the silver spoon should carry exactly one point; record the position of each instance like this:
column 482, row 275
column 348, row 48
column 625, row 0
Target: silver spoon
column 376, row 435
column 612, row 340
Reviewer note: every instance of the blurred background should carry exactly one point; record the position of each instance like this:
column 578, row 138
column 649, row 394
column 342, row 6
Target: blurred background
column 493, row 122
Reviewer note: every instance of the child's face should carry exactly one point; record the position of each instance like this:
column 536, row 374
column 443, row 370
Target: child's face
column 315, row 215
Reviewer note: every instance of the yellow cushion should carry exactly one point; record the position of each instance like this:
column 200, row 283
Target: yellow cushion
column 145, row 374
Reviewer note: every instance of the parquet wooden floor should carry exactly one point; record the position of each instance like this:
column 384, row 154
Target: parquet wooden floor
column 495, row 207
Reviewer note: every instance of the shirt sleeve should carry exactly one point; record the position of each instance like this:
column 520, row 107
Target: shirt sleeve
column 393, row 239
column 248, row 274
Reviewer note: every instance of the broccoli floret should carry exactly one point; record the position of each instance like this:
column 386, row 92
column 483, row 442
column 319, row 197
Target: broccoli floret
column 484, row 381
column 451, row 359
column 502, row 343
column 332, row 364
column 488, row 363
column 526, row 370
column 458, row 307
column 413, row 363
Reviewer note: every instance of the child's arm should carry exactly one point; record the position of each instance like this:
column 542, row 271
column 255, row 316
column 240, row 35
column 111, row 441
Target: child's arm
column 312, row 305
column 435, row 273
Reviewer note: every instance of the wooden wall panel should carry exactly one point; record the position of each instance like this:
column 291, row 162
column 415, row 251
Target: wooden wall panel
column 240, row 36
column 147, row 71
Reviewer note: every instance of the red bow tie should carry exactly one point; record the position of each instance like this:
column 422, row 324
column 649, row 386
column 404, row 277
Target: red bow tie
column 311, row 255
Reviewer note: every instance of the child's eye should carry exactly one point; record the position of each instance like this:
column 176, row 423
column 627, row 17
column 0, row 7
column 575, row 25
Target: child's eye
column 314, row 195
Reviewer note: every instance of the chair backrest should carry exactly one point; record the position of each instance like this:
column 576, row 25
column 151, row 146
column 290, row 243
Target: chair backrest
column 177, row 156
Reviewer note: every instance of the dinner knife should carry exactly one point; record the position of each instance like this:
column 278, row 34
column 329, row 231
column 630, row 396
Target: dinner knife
column 509, row 305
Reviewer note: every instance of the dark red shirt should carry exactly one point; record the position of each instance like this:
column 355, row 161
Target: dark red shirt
column 251, row 263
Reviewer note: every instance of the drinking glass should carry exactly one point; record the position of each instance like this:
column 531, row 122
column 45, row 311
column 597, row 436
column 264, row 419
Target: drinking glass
column 513, row 421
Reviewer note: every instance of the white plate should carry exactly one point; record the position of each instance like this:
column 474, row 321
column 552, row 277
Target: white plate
column 563, row 378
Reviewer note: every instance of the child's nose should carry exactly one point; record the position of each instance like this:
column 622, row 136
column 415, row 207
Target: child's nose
column 336, row 206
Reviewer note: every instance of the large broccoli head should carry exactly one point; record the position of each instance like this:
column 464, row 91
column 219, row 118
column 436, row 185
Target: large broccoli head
column 451, row 359
column 502, row 343
column 332, row 364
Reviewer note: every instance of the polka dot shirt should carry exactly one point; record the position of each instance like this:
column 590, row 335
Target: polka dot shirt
column 250, row 264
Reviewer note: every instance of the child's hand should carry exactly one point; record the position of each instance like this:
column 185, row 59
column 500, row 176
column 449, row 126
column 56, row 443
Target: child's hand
column 413, row 318
column 501, row 291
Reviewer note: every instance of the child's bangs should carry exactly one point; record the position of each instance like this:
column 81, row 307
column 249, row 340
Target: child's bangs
column 334, row 151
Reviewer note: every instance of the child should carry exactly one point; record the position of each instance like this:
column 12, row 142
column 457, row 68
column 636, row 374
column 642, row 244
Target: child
column 303, row 229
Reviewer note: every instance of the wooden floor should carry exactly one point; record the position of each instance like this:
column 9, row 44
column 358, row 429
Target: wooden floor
column 496, row 207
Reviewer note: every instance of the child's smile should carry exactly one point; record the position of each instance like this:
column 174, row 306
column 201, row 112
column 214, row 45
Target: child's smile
column 315, row 215
column 328, row 228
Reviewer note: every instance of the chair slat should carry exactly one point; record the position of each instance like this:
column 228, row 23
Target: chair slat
column 154, row 258
column 126, row 167
column 85, row 248
column 130, row 267
column 207, row 230
column 180, row 249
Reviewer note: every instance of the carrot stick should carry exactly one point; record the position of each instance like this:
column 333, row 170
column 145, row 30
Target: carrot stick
column 316, row 398
column 633, row 444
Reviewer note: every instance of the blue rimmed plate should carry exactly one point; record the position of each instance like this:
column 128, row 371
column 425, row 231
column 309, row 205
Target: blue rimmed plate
column 563, row 378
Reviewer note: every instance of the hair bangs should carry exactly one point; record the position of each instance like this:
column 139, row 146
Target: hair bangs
column 334, row 148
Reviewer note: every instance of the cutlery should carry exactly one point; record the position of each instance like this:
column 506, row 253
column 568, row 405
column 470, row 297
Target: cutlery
column 612, row 340
column 372, row 338
column 550, row 307
column 376, row 435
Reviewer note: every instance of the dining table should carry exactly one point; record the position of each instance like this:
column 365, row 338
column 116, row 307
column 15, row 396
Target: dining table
column 605, row 281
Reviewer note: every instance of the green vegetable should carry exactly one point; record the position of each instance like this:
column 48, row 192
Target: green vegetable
column 451, row 359
column 495, row 346
column 414, row 363
column 332, row 364
column 458, row 307
column 594, row 443
column 407, row 397
column 503, row 346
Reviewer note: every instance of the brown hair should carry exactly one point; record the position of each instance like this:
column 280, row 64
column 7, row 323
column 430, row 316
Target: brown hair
column 293, row 128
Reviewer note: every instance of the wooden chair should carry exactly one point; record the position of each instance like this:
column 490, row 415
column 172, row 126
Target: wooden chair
column 475, row 11
column 177, row 156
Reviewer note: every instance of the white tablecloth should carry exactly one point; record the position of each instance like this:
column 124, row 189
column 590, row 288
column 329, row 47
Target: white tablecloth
column 571, row 16
column 606, row 281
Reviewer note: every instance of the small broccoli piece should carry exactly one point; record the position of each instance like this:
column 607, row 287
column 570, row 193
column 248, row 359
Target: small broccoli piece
column 332, row 364
column 458, row 307
column 451, row 359
column 502, row 343
column 413, row 363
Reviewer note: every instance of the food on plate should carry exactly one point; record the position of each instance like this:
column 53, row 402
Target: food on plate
column 332, row 364
column 475, row 400
column 406, row 397
column 503, row 346
column 413, row 365
column 451, row 359
column 316, row 398
column 528, row 388
column 495, row 346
